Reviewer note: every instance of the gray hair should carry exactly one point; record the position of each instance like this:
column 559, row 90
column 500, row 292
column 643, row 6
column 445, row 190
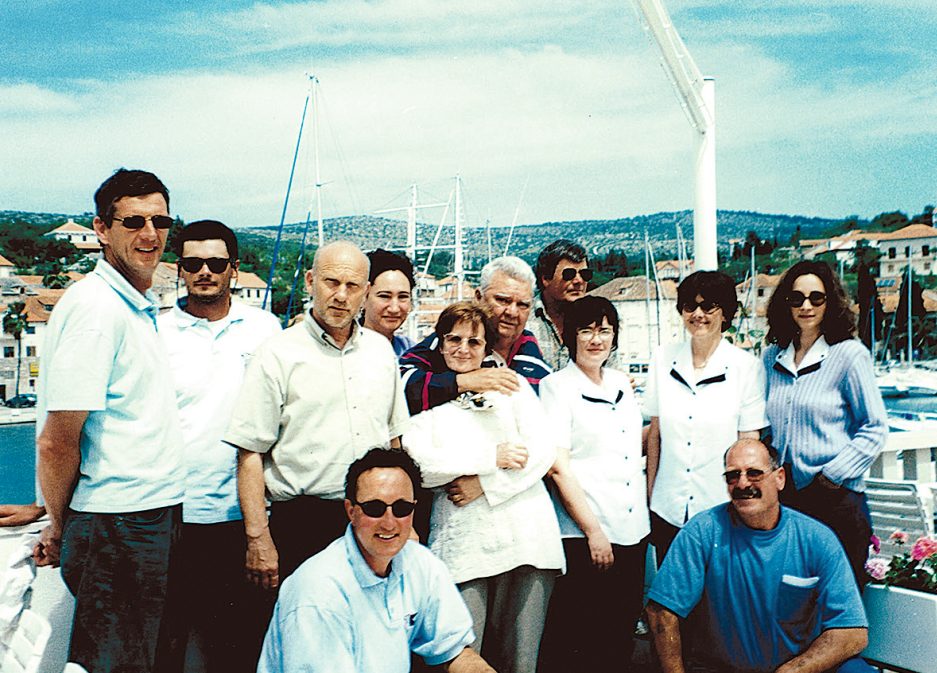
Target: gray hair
column 509, row 265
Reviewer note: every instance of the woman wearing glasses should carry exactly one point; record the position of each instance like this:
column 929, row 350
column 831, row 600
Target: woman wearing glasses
column 702, row 395
column 492, row 522
column 600, row 501
column 826, row 413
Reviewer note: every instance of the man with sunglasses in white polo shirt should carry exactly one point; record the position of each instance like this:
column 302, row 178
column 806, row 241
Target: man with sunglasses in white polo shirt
column 110, row 458
column 372, row 597
column 210, row 339
column 769, row 589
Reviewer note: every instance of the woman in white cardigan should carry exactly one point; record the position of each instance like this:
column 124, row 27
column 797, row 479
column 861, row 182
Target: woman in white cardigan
column 484, row 457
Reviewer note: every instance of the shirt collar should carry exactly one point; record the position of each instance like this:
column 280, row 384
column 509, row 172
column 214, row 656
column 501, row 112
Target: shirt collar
column 144, row 303
column 316, row 332
column 683, row 362
column 817, row 353
column 186, row 320
column 362, row 571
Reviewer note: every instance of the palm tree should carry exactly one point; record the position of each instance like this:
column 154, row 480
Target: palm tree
column 14, row 323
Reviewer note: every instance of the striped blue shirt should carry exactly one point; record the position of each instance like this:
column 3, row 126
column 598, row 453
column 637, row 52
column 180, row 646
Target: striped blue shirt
column 826, row 414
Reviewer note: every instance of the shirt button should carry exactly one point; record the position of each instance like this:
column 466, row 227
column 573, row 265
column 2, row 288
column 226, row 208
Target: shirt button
column 691, row 497
column 688, row 469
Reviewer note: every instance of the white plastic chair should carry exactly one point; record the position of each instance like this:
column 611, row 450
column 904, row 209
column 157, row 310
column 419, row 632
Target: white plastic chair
column 72, row 667
column 26, row 645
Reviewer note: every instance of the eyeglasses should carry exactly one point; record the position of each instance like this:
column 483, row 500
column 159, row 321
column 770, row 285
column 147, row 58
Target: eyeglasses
column 195, row 264
column 569, row 273
column 754, row 475
column 795, row 298
column 707, row 305
column 139, row 221
column 601, row 332
column 376, row 508
column 454, row 340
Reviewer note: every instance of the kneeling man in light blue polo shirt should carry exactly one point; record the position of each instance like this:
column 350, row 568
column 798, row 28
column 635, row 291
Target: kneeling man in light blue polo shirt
column 372, row 597
column 770, row 588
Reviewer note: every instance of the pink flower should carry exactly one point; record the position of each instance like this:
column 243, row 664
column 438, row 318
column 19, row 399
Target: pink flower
column 923, row 548
column 898, row 537
column 877, row 568
column 876, row 544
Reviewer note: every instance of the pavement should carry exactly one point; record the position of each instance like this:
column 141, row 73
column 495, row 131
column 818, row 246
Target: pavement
column 8, row 415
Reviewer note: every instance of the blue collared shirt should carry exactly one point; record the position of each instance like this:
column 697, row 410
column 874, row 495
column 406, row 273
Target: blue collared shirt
column 102, row 355
column 335, row 614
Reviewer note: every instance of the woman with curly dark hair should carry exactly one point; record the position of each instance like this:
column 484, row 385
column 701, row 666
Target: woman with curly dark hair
column 826, row 413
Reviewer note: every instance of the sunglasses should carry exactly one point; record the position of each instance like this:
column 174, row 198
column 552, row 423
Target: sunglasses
column 707, row 305
column 796, row 298
column 455, row 341
column 754, row 475
column 195, row 264
column 376, row 508
column 569, row 273
column 139, row 221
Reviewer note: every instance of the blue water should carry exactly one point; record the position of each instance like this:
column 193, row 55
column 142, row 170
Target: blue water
column 17, row 463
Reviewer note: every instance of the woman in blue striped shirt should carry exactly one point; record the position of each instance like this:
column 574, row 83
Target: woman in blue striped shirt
column 827, row 417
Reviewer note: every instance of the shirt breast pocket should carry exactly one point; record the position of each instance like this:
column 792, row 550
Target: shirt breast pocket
column 797, row 606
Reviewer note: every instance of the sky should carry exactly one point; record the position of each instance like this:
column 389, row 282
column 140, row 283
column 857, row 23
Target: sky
column 548, row 110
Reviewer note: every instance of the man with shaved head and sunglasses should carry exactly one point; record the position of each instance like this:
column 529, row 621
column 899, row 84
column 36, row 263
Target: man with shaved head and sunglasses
column 372, row 597
column 110, row 456
column 770, row 589
column 210, row 339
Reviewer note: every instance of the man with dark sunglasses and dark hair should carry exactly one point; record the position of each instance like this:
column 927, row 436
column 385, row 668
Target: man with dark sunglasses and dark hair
column 110, row 457
column 370, row 598
column 563, row 276
column 210, row 339
column 770, row 588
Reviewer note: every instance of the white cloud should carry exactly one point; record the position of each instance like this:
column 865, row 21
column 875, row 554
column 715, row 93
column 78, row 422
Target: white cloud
column 33, row 99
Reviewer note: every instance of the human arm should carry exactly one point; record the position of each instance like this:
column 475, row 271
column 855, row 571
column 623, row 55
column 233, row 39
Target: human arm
column 468, row 661
column 261, row 560
column 20, row 515
column 828, row 650
column 59, row 459
column 653, row 453
column 574, row 500
column 665, row 629
column 868, row 415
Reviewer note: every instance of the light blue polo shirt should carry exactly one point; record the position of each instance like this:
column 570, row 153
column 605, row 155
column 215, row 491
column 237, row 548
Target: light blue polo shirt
column 102, row 355
column 335, row 614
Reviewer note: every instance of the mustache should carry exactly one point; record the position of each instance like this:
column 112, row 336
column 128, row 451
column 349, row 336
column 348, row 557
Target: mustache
column 745, row 493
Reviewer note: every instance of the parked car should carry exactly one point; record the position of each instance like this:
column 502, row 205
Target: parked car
column 21, row 401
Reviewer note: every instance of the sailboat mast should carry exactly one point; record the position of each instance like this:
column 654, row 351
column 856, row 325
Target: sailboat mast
column 910, row 281
column 411, row 223
column 458, row 262
column 314, row 83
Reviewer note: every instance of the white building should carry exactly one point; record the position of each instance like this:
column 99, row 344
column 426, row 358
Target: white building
column 915, row 243
column 7, row 268
column 37, row 310
column 80, row 236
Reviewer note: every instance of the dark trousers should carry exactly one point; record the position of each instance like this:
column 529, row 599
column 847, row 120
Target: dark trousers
column 121, row 570
column 662, row 535
column 304, row 526
column 224, row 612
column 845, row 512
column 590, row 621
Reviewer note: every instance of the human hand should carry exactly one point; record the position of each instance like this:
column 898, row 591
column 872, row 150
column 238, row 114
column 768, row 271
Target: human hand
column 600, row 549
column 262, row 561
column 464, row 490
column 511, row 456
column 48, row 550
column 20, row 515
column 488, row 379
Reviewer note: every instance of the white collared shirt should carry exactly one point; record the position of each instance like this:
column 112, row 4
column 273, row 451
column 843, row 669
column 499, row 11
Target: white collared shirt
column 208, row 359
column 700, row 415
column 313, row 408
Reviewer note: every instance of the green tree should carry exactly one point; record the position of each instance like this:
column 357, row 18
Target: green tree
column 14, row 324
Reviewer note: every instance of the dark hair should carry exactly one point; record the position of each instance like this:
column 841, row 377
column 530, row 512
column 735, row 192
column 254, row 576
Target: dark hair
column 384, row 260
column 381, row 457
column 712, row 285
column 467, row 311
column 838, row 323
column 553, row 254
column 126, row 183
column 773, row 455
column 587, row 311
column 206, row 230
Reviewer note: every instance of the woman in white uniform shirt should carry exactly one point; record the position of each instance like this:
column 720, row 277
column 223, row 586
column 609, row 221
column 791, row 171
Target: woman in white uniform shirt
column 702, row 395
column 600, row 501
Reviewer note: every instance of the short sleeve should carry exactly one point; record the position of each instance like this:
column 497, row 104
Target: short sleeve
column 678, row 585
column 255, row 421
column 556, row 404
column 445, row 628
column 308, row 639
column 752, row 403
